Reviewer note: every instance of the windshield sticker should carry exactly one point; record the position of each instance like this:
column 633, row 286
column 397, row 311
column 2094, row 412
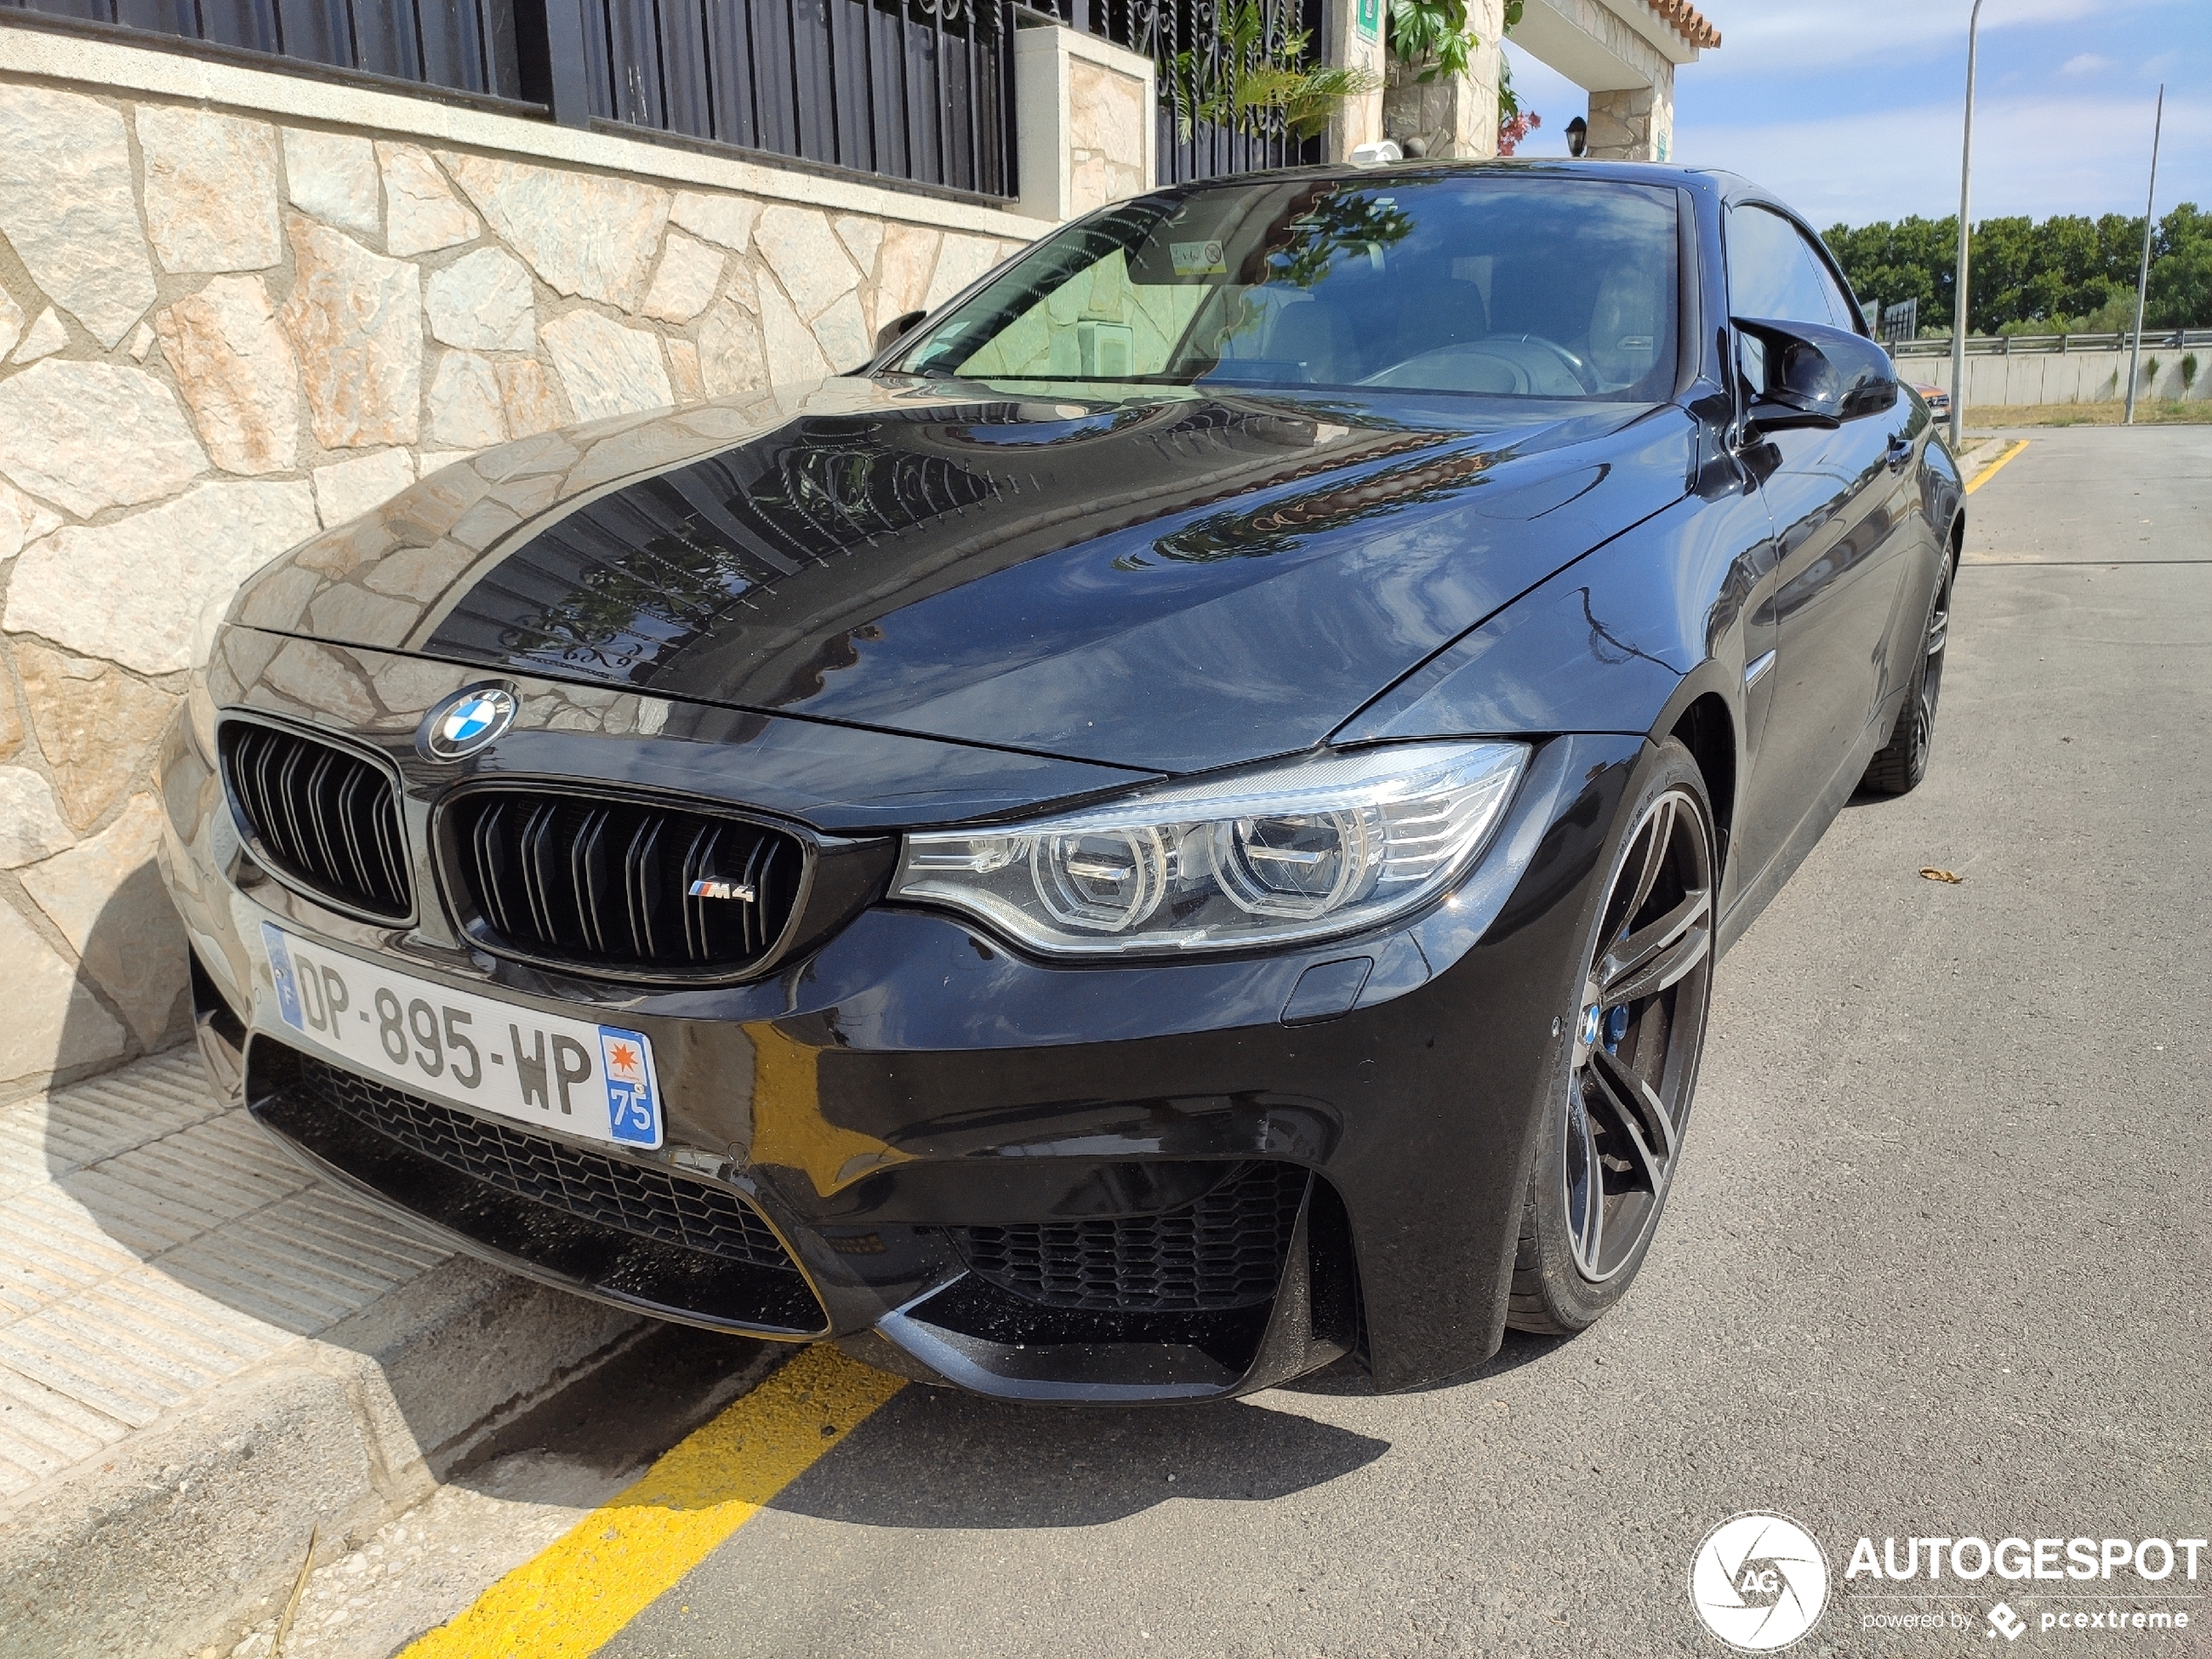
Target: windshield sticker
column 1198, row 259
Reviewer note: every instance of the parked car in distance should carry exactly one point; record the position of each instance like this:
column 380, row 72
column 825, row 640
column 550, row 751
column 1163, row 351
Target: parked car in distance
column 1171, row 831
column 1935, row 397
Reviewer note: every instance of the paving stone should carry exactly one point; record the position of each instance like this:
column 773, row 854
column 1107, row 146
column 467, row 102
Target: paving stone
column 346, row 489
column 236, row 368
column 30, row 825
column 105, row 896
column 46, row 337
column 91, row 435
column 794, row 355
column 526, row 394
column 732, row 357
column 685, row 376
column 806, row 257
column 131, row 591
column 333, row 176
column 465, row 408
column 842, row 331
column 355, row 318
column 908, row 259
column 725, row 220
column 23, row 521
column 483, row 301
column 862, row 238
column 421, row 214
column 959, row 262
column 57, row 1024
column 95, row 724
column 605, row 368
column 11, row 323
column 211, row 190
column 68, row 208
column 689, row 271
column 585, row 234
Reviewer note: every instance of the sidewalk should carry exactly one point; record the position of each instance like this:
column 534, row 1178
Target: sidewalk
column 205, row 1353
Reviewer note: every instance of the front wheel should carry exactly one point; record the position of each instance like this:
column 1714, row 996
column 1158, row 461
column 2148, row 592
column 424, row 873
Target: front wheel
column 1904, row 761
column 1610, row 1136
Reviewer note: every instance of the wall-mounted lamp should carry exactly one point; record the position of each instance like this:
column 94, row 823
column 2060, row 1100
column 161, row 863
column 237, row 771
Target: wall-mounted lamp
column 1578, row 136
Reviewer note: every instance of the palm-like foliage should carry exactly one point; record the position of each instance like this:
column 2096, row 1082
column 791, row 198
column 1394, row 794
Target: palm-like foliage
column 1239, row 86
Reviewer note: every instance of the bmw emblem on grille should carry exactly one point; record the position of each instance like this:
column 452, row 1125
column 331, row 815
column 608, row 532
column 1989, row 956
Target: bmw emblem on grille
column 463, row 724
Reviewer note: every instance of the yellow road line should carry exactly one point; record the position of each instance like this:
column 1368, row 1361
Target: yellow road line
column 574, row 1596
column 1990, row 471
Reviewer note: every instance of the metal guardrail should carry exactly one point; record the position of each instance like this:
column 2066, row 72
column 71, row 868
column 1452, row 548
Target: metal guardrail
column 2020, row 345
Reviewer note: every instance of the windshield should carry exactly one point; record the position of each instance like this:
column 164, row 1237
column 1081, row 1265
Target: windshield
column 1514, row 288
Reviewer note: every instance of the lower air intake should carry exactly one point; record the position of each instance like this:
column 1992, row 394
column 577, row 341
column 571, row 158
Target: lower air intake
column 634, row 1232
column 1224, row 1252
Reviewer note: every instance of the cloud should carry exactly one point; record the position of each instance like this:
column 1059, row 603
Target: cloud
column 1789, row 37
column 2085, row 63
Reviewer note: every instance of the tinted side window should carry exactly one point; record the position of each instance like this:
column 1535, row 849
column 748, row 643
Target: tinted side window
column 1772, row 273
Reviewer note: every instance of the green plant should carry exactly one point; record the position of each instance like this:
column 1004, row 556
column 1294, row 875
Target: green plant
column 2150, row 373
column 1249, row 79
column 2189, row 372
column 1433, row 35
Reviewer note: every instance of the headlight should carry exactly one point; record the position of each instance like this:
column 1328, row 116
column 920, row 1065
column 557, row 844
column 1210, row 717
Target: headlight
column 1295, row 850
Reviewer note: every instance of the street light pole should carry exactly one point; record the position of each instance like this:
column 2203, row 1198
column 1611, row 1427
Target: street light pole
column 2142, row 277
column 1959, row 289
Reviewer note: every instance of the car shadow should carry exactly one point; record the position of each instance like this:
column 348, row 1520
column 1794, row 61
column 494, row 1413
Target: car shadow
column 933, row 1458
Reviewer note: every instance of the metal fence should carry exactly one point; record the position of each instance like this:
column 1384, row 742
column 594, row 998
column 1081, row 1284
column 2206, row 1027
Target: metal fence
column 919, row 90
column 2010, row 345
column 459, row 45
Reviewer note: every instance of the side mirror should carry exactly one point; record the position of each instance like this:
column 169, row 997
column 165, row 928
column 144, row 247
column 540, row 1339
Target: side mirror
column 887, row 336
column 1816, row 375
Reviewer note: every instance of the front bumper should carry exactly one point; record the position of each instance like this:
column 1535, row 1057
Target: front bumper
column 909, row 1106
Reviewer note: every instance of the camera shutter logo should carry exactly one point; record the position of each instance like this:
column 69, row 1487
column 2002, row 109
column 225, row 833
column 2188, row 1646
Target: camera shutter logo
column 1758, row 1581
column 467, row 722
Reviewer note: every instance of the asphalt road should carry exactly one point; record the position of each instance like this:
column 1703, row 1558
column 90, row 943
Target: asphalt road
column 1938, row 1263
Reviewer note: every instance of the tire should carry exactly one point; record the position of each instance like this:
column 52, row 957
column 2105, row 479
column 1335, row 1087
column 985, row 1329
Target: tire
column 1903, row 762
column 1609, row 1130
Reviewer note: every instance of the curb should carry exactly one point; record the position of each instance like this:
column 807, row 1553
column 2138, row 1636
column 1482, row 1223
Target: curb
column 191, row 1529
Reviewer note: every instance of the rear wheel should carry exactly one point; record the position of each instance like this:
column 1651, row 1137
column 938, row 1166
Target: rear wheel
column 1611, row 1133
column 1903, row 762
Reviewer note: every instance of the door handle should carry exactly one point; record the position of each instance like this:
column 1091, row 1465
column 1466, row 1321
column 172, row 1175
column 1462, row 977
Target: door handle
column 1898, row 452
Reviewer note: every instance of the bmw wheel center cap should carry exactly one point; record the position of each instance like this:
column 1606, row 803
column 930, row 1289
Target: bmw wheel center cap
column 465, row 724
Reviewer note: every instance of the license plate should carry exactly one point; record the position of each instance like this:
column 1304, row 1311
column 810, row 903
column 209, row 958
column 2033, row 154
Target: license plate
column 593, row 1081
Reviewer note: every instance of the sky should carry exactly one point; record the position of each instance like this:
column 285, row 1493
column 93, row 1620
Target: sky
column 1849, row 109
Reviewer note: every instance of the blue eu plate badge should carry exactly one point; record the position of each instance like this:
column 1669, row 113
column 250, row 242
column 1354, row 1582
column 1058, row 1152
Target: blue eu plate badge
column 633, row 1115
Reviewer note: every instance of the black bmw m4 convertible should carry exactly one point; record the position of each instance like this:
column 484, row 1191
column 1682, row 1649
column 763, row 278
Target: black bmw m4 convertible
column 1172, row 831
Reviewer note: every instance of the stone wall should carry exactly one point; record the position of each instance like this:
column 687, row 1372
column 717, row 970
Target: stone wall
column 226, row 325
column 1454, row 116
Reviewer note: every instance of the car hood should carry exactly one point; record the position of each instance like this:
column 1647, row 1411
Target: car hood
column 1163, row 579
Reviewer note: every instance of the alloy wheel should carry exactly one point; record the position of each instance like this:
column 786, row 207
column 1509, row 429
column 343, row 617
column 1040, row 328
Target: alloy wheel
column 1638, row 1026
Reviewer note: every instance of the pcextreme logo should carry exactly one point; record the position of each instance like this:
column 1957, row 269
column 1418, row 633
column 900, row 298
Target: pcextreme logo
column 1758, row 1581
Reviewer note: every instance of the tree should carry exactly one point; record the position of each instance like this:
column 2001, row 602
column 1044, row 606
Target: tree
column 2067, row 273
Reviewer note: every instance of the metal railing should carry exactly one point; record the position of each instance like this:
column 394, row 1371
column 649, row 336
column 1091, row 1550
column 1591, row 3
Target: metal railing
column 917, row 90
column 2022, row 345
column 455, row 46
column 921, row 91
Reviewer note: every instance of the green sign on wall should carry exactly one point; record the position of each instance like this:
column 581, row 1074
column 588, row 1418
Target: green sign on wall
column 1367, row 19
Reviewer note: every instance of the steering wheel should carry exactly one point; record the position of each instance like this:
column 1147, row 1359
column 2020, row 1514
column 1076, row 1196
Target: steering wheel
column 1576, row 366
